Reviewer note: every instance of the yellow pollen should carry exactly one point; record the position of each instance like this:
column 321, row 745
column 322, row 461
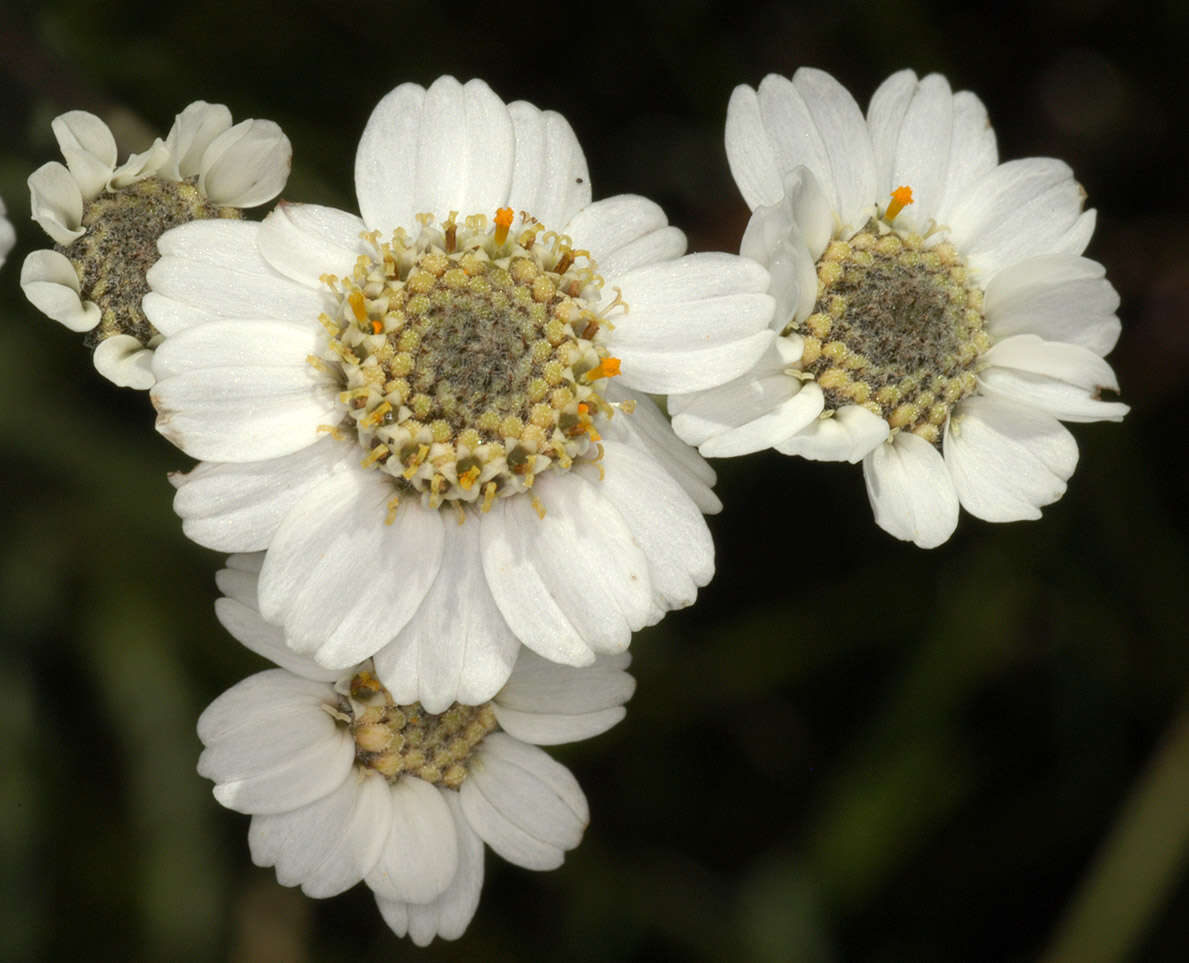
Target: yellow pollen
column 607, row 368
column 355, row 299
column 901, row 198
column 503, row 221
column 468, row 478
column 377, row 327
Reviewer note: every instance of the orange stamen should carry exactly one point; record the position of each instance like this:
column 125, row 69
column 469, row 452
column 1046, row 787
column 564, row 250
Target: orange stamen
column 355, row 299
column 503, row 221
column 469, row 477
column 901, row 198
column 607, row 368
column 377, row 327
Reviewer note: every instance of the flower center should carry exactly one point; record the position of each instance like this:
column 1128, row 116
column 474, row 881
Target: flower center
column 120, row 245
column 469, row 358
column 398, row 740
column 897, row 328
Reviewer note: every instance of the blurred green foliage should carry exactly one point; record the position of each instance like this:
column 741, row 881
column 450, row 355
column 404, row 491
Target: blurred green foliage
column 849, row 750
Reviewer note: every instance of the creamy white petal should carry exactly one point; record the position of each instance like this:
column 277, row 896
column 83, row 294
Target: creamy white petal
column 137, row 167
column 246, row 165
column 51, row 284
column 508, row 542
column 124, row 361
column 56, row 203
column 420, row 856
column 647, row 427
column 1061, row 379
column 708, row 414
column 250, row 630
column 448, row 915
column 625, row 232
column 664, row 522
column 305, row 241
column 1007, row 460
column 169, row 316
column 239, row 583
column 774, row 237
column 386, row 160
column 885, row 117
column 550, row 179
column 530, row 791
column 462, row 649
column 541, row 686
column 781, row 422
column 850, row 435
column 553, row 730
column 1021, row 209
column 750, row 153
column 238, row 507
column 910, row 491
column 339, row 577
column 973, row 152
column 192, row 132
column 922, row 152
column 89, row 148
column 1059, row 297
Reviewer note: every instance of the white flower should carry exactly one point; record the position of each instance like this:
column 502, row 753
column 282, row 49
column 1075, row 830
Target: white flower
column 7, row 234
column 345, row 783
column 105, row 219
column 417, row 413
column 935, row 317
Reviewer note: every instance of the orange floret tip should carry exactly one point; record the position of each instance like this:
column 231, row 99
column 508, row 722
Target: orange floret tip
column 901, row 198
column 355, row 299
column 503, row 221
column 607, row 368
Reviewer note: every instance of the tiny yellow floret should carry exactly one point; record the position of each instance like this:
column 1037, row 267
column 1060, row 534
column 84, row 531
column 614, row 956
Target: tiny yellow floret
column 901, row 198
column 503, row 221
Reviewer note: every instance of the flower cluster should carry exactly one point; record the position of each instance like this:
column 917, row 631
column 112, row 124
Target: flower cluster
column 426, row 435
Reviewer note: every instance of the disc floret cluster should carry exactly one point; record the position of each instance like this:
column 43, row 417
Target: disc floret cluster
column 470, row 357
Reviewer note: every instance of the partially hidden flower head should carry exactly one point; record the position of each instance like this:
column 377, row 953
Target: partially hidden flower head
column 346, row 781
column 105, row 218
column 429, row 415
column 935, row 318
column 7, row 234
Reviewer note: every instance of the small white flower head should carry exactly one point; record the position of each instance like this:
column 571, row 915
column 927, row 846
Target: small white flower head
column 429, row 416
column 935, row 319
column 346, row 782
column 105, row 219
column 7, row 234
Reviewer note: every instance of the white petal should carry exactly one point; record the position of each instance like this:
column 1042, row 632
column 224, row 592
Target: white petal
column 774, row 237
column 51, row 284
column 89, row 148
column 544, row 687
column 625, row 232
column 305, row 241
column 910, row 491
column 1021, row 209
column 973, row 152
column 420, row 856
column 56, row 203
column 850, row 435
column 137, row 167
column 1007, row 461
column 247, row 627
column 246, row 165
column 386, row 159
column 663, row 522
column 1061, row 379
column 341, row 579
column 464, row 648
column 770, row 428
column 534, row 810
column 1057, row 296
column 646, row 427
column 169, row 316
column 885, row 117
column 709, row 414
column 329, row 845
column 549, row 176
column 215, row 266
column 192, row 132
column 238, row 507
column 750, row 153
column 124, row 361
column 448, row 915
column 922, row 151
column 553, row 730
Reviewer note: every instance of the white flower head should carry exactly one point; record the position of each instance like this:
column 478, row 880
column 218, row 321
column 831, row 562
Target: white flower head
column 105, row 219
column 345, row 783
column 935, row 317
column 428, row 415
column 7, row 234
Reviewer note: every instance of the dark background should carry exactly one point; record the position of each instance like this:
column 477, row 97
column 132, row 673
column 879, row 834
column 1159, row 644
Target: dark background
column 851, row 749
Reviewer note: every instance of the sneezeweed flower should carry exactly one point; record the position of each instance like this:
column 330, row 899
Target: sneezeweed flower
column 105, row 219
column 7, row 234
column 428, row 416
column 346, row 782
column 935, row 317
